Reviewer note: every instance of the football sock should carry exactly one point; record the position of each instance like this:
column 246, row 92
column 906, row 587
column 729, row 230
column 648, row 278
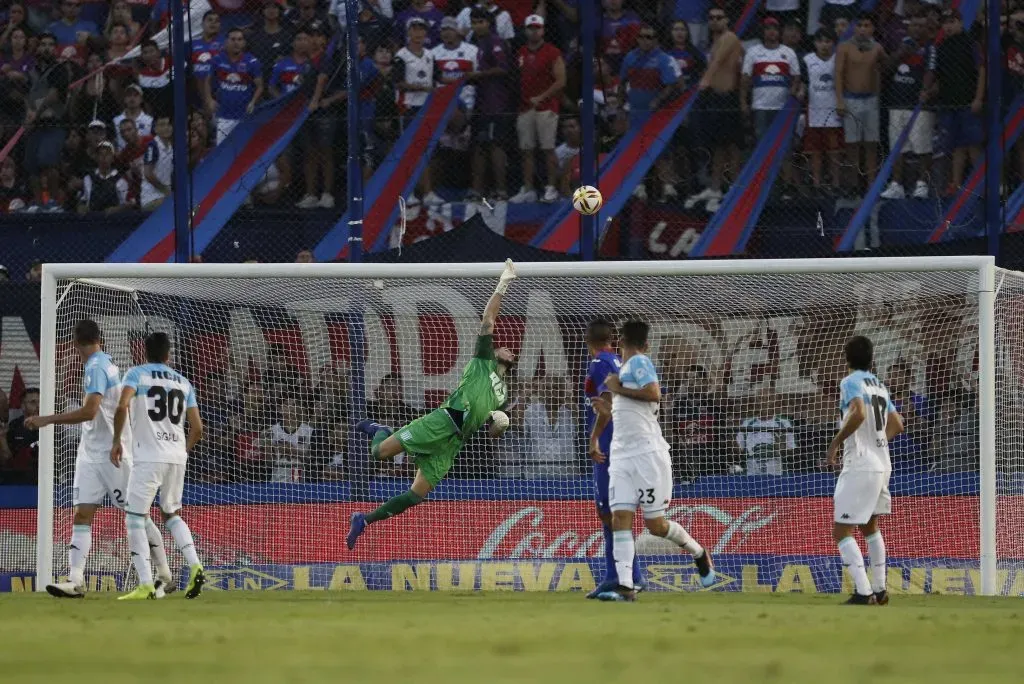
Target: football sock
column 624, row 552
column 78, row 551
column 854, row 562
column 183, row 538
column 609, row 552
column 394, row 506
column 680, row 537
column 157, row 552
column 876, row 552
column 139, row 546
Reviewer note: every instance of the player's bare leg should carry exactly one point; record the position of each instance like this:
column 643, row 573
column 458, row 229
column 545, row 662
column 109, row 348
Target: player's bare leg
column 876, row 552
column 853, row 560
column 625, row 552
column 78, row 551
column 675, row 533
column 396, row 505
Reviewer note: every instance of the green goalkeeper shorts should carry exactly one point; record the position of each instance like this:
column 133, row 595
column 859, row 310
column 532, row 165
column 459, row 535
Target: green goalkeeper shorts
column 433, row 443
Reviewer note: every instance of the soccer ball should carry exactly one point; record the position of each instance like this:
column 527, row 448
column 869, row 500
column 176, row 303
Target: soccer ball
column 499, row 423
column 587, row 200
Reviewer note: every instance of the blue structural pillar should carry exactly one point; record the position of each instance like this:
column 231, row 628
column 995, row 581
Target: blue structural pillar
column 588, row 128
column 355, row 172
column 182, row 194
column 993, row 110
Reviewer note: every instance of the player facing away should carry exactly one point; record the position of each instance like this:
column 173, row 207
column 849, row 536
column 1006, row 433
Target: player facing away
column 434, row 440
column 95, row 476
column 160, row 399
column 604, row 361
column 640, row 470
column 870, row 420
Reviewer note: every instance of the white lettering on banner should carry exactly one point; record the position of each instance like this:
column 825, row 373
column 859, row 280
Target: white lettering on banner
column 246, row 341
column 496, row 218
column 378, row 361
column 542, row 337
column 683, row 244
column 17, row 353
column 532, row 544
column 314, row 336
column 745, row 523
column 407, row 302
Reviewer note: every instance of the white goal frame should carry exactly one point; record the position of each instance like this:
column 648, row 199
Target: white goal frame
column 983, row 266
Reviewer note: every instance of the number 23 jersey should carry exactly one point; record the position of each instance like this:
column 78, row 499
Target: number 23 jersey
column 867, row 449
column 158, row 413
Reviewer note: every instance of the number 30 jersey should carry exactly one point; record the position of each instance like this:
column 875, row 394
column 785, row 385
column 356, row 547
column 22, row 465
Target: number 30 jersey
column 867, row 449
column 158, row 413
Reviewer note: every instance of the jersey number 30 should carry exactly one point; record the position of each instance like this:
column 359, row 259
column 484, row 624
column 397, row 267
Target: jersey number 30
column 166, row 404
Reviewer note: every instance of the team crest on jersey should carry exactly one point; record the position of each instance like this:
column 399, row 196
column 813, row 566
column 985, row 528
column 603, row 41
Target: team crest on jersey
column 683, row 577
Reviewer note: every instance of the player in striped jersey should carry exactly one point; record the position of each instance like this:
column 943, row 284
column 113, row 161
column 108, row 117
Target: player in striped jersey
column 160, row 399
column 95, row 477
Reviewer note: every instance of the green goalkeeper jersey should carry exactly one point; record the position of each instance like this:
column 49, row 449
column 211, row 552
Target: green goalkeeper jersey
column 481, row 390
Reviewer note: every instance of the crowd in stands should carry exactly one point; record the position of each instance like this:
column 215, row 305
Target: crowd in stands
column 98, row 138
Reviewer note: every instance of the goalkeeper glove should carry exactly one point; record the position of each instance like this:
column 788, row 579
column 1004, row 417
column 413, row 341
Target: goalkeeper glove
column 507, row 276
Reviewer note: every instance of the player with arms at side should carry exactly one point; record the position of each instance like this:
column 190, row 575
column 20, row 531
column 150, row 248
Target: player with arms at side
column 640, row 472
column 436, row 439
column 160, row 399
column 870, row 420
column 603, row 362
column 95, row 476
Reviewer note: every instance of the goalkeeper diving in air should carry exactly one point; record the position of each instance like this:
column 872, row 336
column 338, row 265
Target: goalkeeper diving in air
column 434, row 440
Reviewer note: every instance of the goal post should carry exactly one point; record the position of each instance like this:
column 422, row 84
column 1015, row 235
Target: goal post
column 749, row 352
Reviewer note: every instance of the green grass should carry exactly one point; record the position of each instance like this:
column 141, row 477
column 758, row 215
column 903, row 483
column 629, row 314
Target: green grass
column 356, row 637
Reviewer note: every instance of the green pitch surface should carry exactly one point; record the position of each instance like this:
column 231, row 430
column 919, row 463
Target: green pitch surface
column 367, row 637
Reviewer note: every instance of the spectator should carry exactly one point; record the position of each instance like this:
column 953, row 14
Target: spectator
column 568, row 155
column 550, row 429
column 14, row 195
column 35, row 272
column 957, row 80
column 328, row 460
column 388, row 404
column 824, row 134
column 841, row 26
column 793, row 36
column 494, row 105
column 290, row 440
column 835, row 10
column 320, row 131
column 858, row 80
column 771, row 73
column 425, row 10
column 332, row 396
column 909, row 447
column 501, row 20
column 16, row 19
column 198, row 139
column 118, row 44
column 235, row 85
column 158, row 165
column 954, row 437
column 206, row 47
column 246, row 427
column 1013, row 75
column 617, row 32
column 648, row 79
column 692, row 423
column 72, row 33
column 692, row 66
column 904, row 91
column 718, row 109
column 21, row 464
column 273, row 39
column 291, row 72
column 5, row 275
column 542, row 72
column 305, row 256
column 133, row 110
column 104, row 189
column 767, row 439
column 16, row 66
column 454, row 60
column 694, row 14
column 121, row 13
column 306, row 13
column 130, row 159
column 98, row 98
column 155, row 80
column 46, row 114
column 413, row 74
column 47, row 192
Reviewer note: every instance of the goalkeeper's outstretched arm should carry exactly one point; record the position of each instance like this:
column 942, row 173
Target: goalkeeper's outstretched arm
column 494, row 303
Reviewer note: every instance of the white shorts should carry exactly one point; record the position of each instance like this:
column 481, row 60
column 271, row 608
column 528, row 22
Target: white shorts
column 94, row 481
column 919, row 140
column 861, row 120
column 860, row 495
column 537, row 128
column 643, row 480
column 147, row 478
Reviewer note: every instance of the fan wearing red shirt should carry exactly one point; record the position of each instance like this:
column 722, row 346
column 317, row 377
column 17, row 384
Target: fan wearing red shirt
column 542, row 73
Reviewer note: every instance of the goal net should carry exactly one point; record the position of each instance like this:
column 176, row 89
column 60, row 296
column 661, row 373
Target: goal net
column 286, row 358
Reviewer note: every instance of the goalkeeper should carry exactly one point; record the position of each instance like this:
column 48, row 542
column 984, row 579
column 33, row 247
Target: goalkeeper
column 434, row 440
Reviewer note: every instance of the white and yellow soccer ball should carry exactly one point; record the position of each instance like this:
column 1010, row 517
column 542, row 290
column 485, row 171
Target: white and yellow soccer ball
column 587, row 200
column 499, row 423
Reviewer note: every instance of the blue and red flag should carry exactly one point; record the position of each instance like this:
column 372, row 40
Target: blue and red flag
column 733, row 223
column 619, row 174
column 395, row 178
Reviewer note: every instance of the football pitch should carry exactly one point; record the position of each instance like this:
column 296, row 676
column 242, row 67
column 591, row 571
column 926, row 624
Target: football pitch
column 504, row 637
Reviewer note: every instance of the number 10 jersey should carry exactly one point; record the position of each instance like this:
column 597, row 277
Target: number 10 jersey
column 867, row 449
column 158, row 413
